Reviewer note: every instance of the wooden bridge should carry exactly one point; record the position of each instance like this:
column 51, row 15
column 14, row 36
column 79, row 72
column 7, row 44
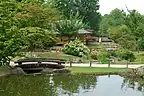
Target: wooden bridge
column 34, row 65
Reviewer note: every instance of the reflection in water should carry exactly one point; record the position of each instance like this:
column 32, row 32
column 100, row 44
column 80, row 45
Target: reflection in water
column 134, row 83
column 70, row 85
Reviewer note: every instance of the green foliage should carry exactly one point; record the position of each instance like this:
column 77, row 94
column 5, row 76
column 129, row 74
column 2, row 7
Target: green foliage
column 86, row 8
column 94, row 54
column 125, row 54
column 114, row 19
column 36, row 37
column 125, row 29
column 141, row 44
column 70, row 27
column 35, row 15
column 11, row 42
column 103, row 56
column 122, row 35
column 76, row 48
column 23, row 24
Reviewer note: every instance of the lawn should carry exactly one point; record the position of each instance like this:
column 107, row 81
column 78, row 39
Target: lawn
column 95, row 69
column 3, row 70
column 61, row 55
column 139, row 57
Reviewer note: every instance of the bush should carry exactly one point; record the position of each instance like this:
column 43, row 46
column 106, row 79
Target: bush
column 76, row 48
column 38, row 38
column 103, row 56
column 125, row 54
column 141, row 44
column 94, row 54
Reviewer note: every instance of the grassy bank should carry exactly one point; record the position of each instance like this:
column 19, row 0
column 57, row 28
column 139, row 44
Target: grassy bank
column 80, row 70
column 95, row 70
column 4, row 70
column 59, row 55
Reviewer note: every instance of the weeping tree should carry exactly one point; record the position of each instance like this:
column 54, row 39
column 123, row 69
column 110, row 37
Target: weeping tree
column 86, row 8
column 70, row 27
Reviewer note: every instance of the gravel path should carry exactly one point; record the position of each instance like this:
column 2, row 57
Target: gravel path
column 99, row 65
column 105, row 65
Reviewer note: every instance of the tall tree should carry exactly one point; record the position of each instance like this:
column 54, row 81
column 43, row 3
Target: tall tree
column 21, row 23
column 70, row 27
column 135, row 22
column 86, row 8
column 122, row 35
column 37, row 22
column 10, row 40
column 115, row 18
column 35, row 15
column 38, row 38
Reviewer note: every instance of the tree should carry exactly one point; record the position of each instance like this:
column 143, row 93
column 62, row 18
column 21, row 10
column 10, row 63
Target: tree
column 11, row 42
column 35, row 15
column 124, row 29
column 114, row 19
column 36, row 37
column 117, row 17
column 36, row 22
column 104, row 25
column 125, row 54
column 86, row 8
column 24, row 24
column 70, row 27
column 104, row 56
column 135, row 22
column 122, row 35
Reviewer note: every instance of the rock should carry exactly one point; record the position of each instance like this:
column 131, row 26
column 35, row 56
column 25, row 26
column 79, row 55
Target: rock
column 47, row 71
column 17, row 71
column 61, row 70
column 140, row 70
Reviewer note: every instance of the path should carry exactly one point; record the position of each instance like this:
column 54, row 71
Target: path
column 104, row 65
column 99, row 65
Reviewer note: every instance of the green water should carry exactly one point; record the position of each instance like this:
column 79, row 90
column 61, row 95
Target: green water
column 70, row 85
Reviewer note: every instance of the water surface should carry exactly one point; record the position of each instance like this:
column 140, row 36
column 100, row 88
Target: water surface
column 70, row 85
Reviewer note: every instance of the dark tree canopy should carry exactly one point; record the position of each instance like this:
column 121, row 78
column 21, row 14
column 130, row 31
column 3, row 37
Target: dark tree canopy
column 24, row 25
column 86, row 8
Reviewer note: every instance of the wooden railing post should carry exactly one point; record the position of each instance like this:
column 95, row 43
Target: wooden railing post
column 127, row 63
column 90, row 63
column 70, row 63
column 109, row 63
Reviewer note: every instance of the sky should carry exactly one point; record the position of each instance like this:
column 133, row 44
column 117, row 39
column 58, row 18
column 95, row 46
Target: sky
column 107, row 5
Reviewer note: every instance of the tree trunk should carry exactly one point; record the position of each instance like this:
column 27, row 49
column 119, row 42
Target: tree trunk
column 109, row 63
column 70, row 63
column 127, row 63
column 90, row 63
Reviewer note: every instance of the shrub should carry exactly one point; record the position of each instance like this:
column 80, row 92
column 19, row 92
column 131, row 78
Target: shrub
column 141, row 44
column 76, row 48
column 125, row 54
column 94, row 54
column 38, row 38
column 103, row 56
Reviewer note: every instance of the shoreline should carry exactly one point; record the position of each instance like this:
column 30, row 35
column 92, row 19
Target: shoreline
column 87, row 71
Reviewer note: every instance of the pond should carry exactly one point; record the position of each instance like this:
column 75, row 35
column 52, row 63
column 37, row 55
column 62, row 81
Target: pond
column 70, row 85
